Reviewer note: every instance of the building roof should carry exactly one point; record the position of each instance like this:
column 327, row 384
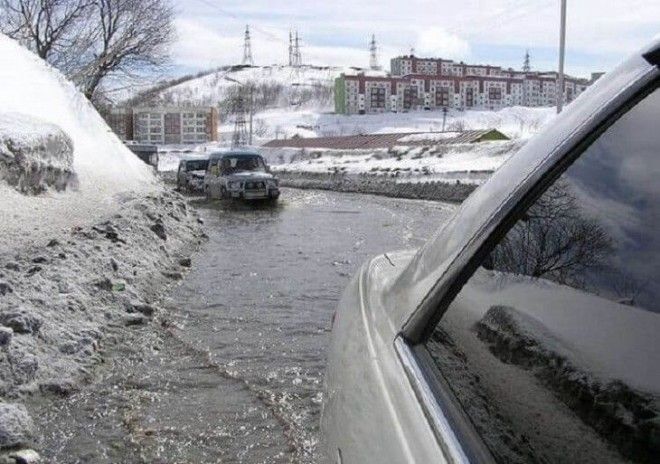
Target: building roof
column 370, row 141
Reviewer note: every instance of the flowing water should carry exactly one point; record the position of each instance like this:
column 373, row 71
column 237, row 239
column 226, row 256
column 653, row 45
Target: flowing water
column 257, row 305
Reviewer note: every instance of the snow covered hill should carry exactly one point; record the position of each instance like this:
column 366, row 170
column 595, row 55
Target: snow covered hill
column 311, row 84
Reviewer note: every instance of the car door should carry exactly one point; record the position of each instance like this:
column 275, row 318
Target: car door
column 543, row 346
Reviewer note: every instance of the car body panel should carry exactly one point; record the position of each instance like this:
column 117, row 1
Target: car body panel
column 367, row 378
column 377, row 408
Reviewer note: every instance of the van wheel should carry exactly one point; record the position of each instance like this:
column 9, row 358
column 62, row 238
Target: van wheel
column 223, row 193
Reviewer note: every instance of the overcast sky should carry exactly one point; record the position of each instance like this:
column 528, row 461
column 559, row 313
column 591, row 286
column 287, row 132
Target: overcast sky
column 600, row 33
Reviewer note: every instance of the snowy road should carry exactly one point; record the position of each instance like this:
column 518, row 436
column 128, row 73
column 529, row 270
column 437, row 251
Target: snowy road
column 260, row 297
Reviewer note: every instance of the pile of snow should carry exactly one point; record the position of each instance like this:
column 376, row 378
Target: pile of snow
column 31, row 87
column 104, row 166
column 34, row 155
column 620, row 347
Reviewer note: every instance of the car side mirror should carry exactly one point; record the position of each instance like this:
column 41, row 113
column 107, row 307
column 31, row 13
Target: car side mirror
column 268, row 168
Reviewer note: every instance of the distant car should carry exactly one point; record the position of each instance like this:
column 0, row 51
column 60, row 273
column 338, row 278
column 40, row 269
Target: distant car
column 240, row 175
column 190, row 174
column 527, row 328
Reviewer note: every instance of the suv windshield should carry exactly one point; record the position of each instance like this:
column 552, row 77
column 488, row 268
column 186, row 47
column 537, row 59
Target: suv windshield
column 232, row 164
column 196, row 165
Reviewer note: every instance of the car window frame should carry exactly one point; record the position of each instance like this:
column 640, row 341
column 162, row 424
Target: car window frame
column 450, row 423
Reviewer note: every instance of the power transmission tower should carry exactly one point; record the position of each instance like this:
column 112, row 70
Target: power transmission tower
column 373, row 50
column 247, row 48
column 240, row 136
column 526, row 66
column 297, row 57
column 290, row 48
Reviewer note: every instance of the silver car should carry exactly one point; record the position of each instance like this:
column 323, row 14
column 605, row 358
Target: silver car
column 527, row 328
column 240, row 175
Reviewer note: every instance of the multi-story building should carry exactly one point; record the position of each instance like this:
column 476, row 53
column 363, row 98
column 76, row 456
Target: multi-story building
column 175, row 125
column 420, row 83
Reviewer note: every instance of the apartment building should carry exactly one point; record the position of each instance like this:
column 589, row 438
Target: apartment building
column 418, row 83
column 175, row 125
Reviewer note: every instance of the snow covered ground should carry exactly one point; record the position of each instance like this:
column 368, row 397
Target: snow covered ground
column 105, row 168
column 470, row 163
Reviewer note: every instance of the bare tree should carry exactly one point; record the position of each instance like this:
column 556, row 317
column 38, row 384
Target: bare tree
column 51, row 28
column 93, row 40
column 132, row 35
column 554, row 240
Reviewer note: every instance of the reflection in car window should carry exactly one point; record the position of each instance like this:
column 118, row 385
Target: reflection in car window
column 552, row 348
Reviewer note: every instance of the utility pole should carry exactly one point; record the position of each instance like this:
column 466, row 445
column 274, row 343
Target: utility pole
column 373, row 50
column 247, row 48
column 444, row 117
column 562, row 49
column 290, row 48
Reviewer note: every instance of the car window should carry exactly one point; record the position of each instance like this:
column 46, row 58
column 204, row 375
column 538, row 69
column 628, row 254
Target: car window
column 552, row 347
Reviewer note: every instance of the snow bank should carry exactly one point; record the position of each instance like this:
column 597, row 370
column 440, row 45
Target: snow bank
column 31, row 87
column 623, row 416
column 568, row 314
column 106, row 169
column 34, row 155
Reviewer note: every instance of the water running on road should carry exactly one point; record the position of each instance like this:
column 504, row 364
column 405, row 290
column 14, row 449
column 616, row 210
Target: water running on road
column 262, row 291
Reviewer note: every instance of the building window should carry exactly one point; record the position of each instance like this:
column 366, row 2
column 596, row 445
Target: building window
column 442, row 97
column 378, row 97
column 494, row 93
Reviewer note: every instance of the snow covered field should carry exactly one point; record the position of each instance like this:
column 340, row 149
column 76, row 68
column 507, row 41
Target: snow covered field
column 470, row 163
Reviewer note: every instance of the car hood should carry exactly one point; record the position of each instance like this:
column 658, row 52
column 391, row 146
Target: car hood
column 250, row 175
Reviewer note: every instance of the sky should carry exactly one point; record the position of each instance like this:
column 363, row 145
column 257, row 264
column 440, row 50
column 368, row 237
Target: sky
column 600, row 33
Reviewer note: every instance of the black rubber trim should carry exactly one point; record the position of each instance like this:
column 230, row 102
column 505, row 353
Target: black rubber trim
column 653, row 56
column 470, row 440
